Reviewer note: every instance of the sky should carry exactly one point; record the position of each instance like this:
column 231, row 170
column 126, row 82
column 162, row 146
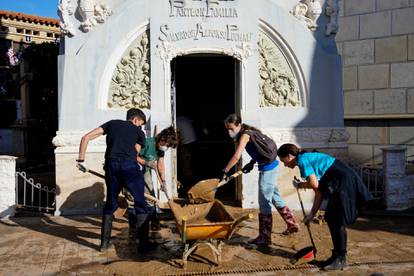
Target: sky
column 46, row 8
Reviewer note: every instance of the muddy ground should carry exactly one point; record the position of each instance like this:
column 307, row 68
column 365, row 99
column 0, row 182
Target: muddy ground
column 378, row 242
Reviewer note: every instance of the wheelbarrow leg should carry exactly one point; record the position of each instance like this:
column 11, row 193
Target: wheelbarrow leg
column 187, row 252
column 215, row 246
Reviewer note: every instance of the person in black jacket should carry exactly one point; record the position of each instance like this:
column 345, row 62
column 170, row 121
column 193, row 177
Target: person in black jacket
column 124, row 140
column 334, row 180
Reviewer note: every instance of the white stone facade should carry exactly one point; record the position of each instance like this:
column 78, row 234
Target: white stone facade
column 376, row 42
column 289, row 83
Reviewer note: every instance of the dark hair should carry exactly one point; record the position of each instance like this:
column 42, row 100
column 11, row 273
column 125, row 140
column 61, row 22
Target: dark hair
column 286, row 149
column 236, row 119
column 136, row 113
column 169, row 136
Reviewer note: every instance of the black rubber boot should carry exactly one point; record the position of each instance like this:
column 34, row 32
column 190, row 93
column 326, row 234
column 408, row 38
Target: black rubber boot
column 106, row 232
column 339, row 263
column 155, row 223
column 132, row 223
column 144, row 244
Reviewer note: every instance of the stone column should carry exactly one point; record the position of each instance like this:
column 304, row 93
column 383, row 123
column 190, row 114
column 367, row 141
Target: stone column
column 7, row 185
column 395, row 193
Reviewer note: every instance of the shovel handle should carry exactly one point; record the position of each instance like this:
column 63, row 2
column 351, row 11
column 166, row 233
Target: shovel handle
column 160, row 182
column 231, row 177
column 307, row 225
column 84, row 169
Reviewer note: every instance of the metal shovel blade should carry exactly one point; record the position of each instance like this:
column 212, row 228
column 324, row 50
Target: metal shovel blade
column 204, row 190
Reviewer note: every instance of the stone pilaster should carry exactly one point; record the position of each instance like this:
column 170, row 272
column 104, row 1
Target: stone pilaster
column 7, row 185
column 395, row 184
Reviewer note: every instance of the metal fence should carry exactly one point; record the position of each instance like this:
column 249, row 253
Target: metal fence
column 34, row 196
column 372, row 177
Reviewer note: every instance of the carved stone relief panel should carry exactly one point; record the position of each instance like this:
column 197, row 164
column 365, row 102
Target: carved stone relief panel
column 130, row 84
column 278, row 84
column 91, row 13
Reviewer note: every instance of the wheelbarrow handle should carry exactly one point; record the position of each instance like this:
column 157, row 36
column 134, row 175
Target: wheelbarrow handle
column 238, row 221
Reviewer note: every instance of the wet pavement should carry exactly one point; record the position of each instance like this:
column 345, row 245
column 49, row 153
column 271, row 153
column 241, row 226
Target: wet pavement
column 379, row 242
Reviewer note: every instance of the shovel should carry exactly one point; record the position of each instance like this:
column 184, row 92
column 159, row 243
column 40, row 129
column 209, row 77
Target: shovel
column 307, row 254
column 205, row 190
column 147, row 196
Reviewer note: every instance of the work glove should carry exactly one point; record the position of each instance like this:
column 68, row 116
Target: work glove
column 151, row 164
column 249, row 166
column 224, row 176
column 81, row 165
column 163, row 186
column 296, row 183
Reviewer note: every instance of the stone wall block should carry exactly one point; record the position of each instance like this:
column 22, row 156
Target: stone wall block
column 402, row 75
column 373, row 76
column 402, row 21
column 400, row 135
column 358, row 102
column 392, row 4
column 358, row 52
column 391, row 49
column 375, row 25
column 411, row 47
column 410, row 101
column 372, row 135
column 353, row 134
column 361, row 153
column 350, row 78
column 359, row 6
column 390, row 101
column 349, row 28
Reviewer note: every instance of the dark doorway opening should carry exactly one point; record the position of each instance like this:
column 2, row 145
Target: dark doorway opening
column 206, row 91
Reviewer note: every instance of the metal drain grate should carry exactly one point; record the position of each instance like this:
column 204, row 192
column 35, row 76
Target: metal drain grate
column 282, row 268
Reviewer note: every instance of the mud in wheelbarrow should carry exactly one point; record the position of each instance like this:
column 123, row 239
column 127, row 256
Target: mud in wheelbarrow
column 205, row 223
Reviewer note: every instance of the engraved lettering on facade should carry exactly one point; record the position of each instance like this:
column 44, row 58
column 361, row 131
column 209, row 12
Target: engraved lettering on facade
column 180, row 8
column 230, row 33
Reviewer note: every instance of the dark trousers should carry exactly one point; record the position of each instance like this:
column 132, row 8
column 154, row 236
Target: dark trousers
column 124, row 173
column 336, row 225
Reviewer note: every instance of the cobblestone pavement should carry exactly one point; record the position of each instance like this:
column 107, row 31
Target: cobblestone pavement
column 47, row 245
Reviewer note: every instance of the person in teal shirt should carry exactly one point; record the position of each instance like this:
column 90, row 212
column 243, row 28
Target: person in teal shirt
column 151, row 157
column 334, row 180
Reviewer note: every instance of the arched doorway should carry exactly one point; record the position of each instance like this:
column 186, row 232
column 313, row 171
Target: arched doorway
column 205, row 91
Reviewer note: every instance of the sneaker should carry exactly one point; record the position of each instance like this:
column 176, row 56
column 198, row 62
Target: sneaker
column 339, row 263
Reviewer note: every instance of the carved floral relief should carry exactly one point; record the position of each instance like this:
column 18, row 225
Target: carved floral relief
column 278, row 84
column 130, row 84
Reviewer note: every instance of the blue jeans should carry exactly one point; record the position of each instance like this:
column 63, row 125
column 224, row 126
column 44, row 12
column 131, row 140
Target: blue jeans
column 268, row 192
column 123, row 173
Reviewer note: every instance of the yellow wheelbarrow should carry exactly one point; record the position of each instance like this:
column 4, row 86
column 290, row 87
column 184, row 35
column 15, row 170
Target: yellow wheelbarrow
column 206, row 223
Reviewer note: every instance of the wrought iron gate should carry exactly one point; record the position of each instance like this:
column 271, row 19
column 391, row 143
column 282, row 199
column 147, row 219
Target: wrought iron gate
column 33, row 196
column 372, row 177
